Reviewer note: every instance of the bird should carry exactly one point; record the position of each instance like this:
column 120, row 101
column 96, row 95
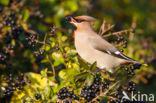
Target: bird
column 93, row 48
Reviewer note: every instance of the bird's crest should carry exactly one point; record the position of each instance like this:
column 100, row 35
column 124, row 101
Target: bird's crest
column 85, row 18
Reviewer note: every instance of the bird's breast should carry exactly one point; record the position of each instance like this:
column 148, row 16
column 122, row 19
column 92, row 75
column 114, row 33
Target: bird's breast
column 82, row 45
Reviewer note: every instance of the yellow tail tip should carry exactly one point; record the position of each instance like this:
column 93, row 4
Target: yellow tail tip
column 145, row 64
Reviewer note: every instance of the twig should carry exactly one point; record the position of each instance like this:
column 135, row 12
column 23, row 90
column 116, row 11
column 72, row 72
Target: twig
column 109, row 28
column 121, row 43
column 104, row 28
column 133, row 26
column 116, row 33
column 40, row 42
column 54, row 74
column 31, row 31
column 45, row 37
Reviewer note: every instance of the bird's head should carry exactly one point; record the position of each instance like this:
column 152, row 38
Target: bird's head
column 79, row 20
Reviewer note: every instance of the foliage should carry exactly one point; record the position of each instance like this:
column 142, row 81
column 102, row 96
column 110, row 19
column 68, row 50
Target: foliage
column 38, row 61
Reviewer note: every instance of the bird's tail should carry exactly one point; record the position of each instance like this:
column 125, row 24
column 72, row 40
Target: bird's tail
column 144, row 64
column 136, row 62
column 130, row 60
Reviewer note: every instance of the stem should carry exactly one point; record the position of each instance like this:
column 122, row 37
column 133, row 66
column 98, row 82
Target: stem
column 104, row 28
column 54, row 74
column 116, row 33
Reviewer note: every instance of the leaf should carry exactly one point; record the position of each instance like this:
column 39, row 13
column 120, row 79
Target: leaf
column 81, row 75
column 4, row 2
column 93, row 66
column 62, row 74
column 44, row 72
column 48, row 91
column 25, row 15
column 71, row 5
column 82, row 63
column 90, row 79
column 58, row 58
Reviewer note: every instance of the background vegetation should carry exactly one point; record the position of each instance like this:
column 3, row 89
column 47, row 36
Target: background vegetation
column 38, row 58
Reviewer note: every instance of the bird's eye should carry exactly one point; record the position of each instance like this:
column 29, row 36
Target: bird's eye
column 79, row 21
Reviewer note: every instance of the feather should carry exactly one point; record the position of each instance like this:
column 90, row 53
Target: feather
column 102, row 45
column 85, row 18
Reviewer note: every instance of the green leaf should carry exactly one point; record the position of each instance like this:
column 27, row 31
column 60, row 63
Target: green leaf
column 48, row 91
column 4, row 2
column 81, row 76
column 90, row 80
column 58, row 58
column 82, row 63
column 44, row 72
column 25, row 15
column 71, row 5
column 93, row 66
column 62, row 74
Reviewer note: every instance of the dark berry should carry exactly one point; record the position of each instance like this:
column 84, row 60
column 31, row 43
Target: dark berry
column 67, row 101
column 37, row 96
column 121, row 50
column 136, row 66
column 125, row 46
column 57, row 48
column 133, row 31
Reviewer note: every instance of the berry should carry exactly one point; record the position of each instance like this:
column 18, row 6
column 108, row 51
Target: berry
column 63, row 93
column 133, row 31
column 37, row 96
column 136, row 66
column 57, row 48
column 121, row 50
column 125, row 46
column 67, row 101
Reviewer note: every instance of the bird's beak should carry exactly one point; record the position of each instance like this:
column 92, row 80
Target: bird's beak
column 71, row 20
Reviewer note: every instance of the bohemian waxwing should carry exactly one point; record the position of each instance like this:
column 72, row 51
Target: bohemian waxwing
column 93, row 48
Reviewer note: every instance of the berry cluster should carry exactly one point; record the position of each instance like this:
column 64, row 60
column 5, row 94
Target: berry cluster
column 131, row 86
column 90, row 92
column 39, row 56
column 64, row 94
column 9, row 20
column 31, row 40
column 15, row 38
column 121, row 40
column 67, row 101
column 37, row 96
column 14, row 83
column 131, row 69
column 105, row 85
column 3, row 56
column 117, row 96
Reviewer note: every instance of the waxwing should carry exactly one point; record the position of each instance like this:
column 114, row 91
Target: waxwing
column 93, row 48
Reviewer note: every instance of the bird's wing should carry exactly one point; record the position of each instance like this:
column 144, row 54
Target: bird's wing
column 102, row 45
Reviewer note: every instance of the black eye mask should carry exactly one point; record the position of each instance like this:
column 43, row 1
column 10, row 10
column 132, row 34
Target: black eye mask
column 79, row 21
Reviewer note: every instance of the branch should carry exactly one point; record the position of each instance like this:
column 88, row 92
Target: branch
column 102, row 27
column 133, row 26
column 54, row 74
column 105, row 27
column 117, row 33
